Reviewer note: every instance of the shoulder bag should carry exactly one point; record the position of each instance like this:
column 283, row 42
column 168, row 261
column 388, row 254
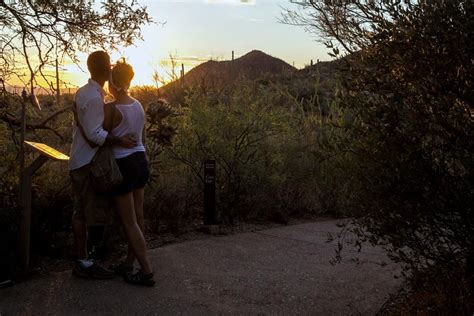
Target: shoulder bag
column 104, row 172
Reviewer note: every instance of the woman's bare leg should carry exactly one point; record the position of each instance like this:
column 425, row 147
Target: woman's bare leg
column 125, row 207
column 138, row 197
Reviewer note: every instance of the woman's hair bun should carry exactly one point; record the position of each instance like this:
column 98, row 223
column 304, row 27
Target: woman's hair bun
column 122, row 73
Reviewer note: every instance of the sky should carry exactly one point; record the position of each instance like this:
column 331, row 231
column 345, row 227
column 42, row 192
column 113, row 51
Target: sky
column 195, row 31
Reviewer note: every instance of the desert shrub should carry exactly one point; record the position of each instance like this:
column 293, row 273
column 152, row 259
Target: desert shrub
column 415, row 135
column 52, row 206
column 257, row 145
column 328, row 159
column 434, row 291
column 407, row 78
column 145, row 94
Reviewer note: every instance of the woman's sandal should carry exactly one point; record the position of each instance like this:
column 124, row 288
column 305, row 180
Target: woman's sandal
column 140, row 278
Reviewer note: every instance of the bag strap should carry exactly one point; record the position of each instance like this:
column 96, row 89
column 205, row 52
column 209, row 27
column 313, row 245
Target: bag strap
column 81, row 129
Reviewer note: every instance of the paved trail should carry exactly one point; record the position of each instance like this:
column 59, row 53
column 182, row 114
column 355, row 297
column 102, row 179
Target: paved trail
column 283, row 270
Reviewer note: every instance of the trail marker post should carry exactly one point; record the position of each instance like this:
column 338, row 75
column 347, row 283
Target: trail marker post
column 46, row 152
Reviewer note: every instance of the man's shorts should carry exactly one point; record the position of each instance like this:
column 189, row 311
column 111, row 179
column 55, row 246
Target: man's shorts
column 89, row 207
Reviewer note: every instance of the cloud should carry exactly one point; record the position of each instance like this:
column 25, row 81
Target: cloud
column 239, row 16
column 186, row 60
column 232, row 2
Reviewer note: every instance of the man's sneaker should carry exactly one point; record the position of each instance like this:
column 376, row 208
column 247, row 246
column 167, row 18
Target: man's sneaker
column 140, row 278
column 121, row 269
column 95, row 271
column 6, row 283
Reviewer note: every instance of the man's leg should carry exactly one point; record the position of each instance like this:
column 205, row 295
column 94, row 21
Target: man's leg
column 83, row 267
column 80, row 238
column 86, row 212
column 96, row 241
column 79, row 178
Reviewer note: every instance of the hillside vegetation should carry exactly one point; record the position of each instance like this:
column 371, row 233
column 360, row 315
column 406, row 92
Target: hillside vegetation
column 260, row 127
column 384, row 134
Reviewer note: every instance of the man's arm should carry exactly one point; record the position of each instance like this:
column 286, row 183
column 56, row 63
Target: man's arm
column 91, row 116
column 127, row 141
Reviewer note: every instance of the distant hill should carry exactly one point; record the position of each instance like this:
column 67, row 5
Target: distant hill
column 263, row 70
column 253, row 65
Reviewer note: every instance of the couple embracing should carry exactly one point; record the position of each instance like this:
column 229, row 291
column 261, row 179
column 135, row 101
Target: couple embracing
column 119, row 125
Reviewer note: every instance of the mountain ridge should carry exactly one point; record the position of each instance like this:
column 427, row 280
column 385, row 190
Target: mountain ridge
column 252, row 65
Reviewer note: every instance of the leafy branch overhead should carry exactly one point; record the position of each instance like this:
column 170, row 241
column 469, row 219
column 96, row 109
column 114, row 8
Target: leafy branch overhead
column 35, row 33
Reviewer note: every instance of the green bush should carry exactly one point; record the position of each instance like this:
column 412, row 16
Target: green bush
column 254, row 143
column 414, row 135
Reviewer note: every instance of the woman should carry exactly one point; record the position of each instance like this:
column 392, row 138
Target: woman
column 125, row 116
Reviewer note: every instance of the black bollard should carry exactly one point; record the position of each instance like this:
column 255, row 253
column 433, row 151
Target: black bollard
column 209, row 192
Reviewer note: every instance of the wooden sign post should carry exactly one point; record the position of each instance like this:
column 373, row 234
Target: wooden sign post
column 209, row 192
column 46, row 153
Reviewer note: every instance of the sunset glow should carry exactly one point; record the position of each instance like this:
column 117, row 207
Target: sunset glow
column 194, row 31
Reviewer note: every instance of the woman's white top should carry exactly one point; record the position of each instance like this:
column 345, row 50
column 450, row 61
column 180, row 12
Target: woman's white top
column 133, row 121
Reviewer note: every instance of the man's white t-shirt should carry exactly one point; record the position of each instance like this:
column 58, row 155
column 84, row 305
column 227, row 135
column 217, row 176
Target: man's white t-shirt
column 90, row 111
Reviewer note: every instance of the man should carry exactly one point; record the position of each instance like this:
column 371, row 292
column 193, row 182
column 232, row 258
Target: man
column 91, row 211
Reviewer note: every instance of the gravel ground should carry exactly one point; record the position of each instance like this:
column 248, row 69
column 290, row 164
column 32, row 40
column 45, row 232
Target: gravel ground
column 283, row 270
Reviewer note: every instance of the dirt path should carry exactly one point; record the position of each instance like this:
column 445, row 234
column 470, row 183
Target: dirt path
column 283, row 270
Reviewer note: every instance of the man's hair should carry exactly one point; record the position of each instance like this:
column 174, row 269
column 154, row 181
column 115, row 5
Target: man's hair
column 98, row 63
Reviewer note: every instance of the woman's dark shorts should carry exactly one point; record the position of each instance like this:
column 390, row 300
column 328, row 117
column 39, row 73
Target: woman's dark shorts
column 135, row 172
